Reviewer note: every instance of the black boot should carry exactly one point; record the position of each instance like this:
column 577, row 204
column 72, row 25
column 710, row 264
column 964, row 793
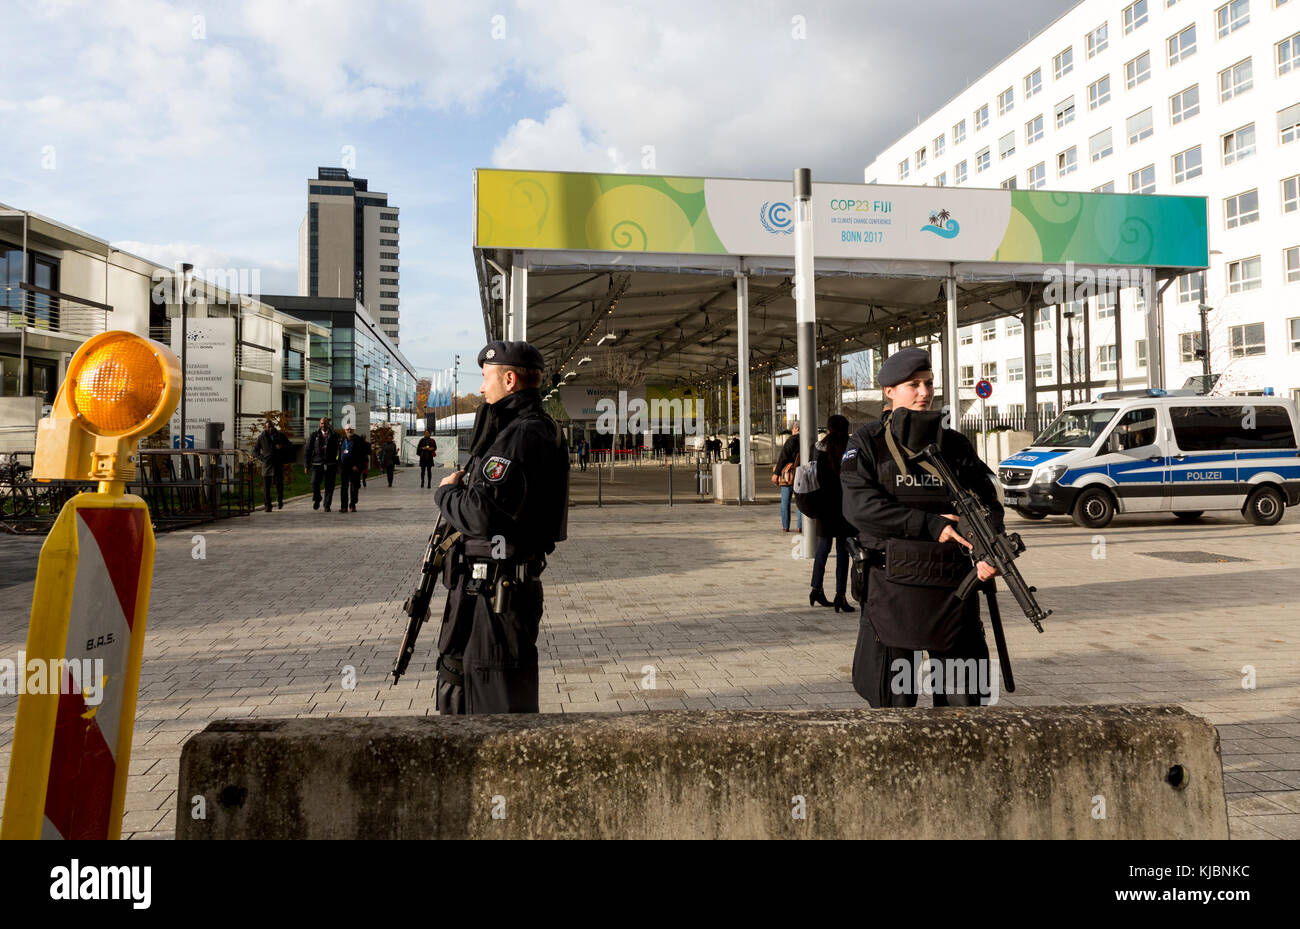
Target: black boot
column 842, row 605
column 817, row 597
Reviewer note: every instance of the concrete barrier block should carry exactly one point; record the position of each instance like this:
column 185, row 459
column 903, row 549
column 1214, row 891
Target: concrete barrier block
column 1140, row 772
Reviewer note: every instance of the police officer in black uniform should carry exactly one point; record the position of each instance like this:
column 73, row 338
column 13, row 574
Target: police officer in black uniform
column 915, row 555
column 510, row 503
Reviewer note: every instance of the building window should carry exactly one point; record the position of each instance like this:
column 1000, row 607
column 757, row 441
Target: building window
column 1188, row 288
column 1043, row 319
column 1140, row 352
column 1097, row 40
column 1235, row 81
column 1006, row 101
column 1241, row 210
column 966, row 336
column 1034, row 130
column 1099, row 146
column 988, row 332
column 391, row 256
column 1288, row 124
column 1293, row 333
column 1007, row 146
column 1015, row 369
column 388, row 280
column 1137, row 70
column 1244, row 275
column 389, row 242
column 1139, row 126
column 388, row 268
column 388, row 229
column 1008, row 183
column 959, row 132
column 1043, row 367
column 1182, row 45
column 1143, row 180
column 920, row 158
column 1106, row 188
column 1065, row 112
column 981, row 117
column 1106, row 358
column 1135, row 16
column 1291, row 264
column 989, row 371
column 1014, row 328
column 1189, row 343
column 1246, row 340
column 1232, row 16
column 392, row 216
column 1291, row 194
column 1185, row 104
column 938, row 145
column 1036, row 176
column 1067, row 162
column 903, row 169
column 959, row 172
column 967, row 373
column 1106, row 305
column 941, row 179
column 1288, row 54
column 1063, row 63
column 982, row 160
column 1239, row 144
column 1187, row 165
column 1099, row 92
column 1033, row 82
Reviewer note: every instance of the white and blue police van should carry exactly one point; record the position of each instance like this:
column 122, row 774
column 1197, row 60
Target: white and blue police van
column 1156, row 451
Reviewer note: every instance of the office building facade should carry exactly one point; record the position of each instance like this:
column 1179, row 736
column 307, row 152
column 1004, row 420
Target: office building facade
column 1155, row 96
column 348, row 247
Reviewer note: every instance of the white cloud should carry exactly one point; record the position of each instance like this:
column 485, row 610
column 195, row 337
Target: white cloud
column 219, row 267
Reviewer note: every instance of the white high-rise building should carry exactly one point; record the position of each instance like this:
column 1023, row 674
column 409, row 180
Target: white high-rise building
column 1159, row 96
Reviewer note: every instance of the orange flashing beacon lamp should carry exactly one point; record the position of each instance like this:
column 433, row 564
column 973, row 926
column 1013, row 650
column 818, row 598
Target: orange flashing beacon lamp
column 81, row 673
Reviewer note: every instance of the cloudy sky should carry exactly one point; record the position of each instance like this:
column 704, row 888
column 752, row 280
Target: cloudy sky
column 188, row 130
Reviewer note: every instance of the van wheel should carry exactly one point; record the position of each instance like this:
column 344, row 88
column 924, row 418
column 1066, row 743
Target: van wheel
column 1188, row 516
column 1094, row 508
column 1028, row 514
column 1264, row 506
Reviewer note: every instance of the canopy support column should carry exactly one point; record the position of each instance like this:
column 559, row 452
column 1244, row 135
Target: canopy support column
column 805, row 302
column 742, row 368
column 1155, row 333
column 518, row 303
column 951, row 383
column 1027, row 324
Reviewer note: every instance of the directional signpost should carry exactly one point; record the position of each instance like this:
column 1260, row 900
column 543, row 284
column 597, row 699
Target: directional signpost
column 984, row 390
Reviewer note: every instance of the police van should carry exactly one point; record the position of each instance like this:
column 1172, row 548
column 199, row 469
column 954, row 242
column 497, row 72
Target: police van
column 1155, row 451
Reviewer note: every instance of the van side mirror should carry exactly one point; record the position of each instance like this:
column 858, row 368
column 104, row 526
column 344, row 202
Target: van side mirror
column 1115, row 443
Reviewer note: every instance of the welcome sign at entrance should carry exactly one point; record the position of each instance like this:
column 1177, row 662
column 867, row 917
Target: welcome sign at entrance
column 209, row 378
column 722, row 216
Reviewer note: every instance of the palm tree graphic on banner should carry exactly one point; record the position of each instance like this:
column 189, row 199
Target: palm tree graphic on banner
column 942, row 224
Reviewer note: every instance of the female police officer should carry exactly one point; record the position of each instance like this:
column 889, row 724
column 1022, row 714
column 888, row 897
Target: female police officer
column 915, row 554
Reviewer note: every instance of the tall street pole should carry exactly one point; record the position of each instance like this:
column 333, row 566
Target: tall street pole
column 806, row 321
column 186, row 271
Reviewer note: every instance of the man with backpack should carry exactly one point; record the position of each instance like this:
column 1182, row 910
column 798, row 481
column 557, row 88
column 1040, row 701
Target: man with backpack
column 783, row 476
column 818, row 494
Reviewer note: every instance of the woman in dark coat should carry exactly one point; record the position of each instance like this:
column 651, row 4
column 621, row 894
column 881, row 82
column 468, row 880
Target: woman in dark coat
column 832, row 525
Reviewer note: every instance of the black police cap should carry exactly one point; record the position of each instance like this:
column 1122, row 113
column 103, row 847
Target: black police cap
column 901, row 365
column 518, row 354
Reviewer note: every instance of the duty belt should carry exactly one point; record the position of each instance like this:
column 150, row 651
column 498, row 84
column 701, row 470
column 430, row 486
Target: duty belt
column 452, row 670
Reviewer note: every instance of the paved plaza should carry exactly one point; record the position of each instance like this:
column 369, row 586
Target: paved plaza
column 707, row 600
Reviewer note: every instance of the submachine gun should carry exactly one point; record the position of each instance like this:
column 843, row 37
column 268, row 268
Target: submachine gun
column 441, row 542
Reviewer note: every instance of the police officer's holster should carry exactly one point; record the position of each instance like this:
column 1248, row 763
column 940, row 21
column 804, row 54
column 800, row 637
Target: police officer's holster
column 487, row 660
column 907, row 602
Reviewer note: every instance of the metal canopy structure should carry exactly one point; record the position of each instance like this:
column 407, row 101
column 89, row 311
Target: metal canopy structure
column 671, row 270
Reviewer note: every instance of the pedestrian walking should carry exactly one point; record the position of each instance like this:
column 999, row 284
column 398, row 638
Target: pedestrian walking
column 272, row 450
column 321, row 461
column 783, row 477
column 831, row 525
column 388, row 459
column 427, row 451
column 354, row 459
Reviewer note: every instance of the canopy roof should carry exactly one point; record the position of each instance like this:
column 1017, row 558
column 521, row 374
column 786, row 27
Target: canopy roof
column 654, row 260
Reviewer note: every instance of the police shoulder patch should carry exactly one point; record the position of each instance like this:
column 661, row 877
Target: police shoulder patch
column 851, row 453
column 495, row 468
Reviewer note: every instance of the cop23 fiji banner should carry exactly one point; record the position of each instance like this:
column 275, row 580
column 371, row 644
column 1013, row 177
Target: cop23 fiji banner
column 720, row 216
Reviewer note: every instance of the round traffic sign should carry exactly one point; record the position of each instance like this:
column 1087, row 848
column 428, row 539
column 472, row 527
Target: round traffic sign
column 983, row 390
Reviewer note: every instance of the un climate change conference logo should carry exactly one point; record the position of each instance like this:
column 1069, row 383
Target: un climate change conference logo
column 942, row 224
column 775, row 217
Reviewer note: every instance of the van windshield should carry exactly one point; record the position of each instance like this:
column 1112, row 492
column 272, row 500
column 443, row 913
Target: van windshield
column 1076, row 428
